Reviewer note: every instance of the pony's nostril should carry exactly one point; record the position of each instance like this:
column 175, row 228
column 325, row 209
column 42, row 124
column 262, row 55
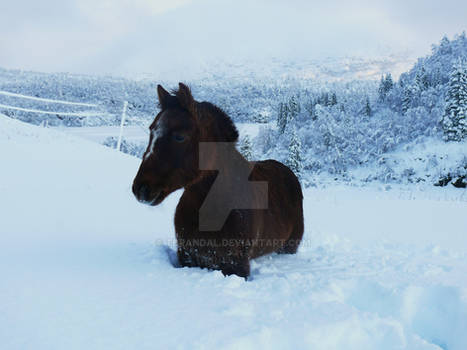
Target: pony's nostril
column 144, row 192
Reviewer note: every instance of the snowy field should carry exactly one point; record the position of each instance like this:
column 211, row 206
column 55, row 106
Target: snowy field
column 84, row 266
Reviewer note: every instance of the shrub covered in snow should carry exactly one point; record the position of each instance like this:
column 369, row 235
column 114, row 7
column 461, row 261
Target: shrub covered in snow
column 132, row 148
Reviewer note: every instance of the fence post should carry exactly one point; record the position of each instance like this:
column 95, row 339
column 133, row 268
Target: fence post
column 122, row 122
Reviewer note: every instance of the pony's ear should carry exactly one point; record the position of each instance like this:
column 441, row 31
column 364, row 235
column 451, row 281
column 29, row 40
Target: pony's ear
column 185, row 98
column 163, row 96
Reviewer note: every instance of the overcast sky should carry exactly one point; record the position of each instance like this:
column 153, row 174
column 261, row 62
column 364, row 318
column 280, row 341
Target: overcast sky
column 136, row 36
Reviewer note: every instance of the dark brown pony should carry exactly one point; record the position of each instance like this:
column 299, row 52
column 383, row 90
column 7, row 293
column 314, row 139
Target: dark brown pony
column 231, row 210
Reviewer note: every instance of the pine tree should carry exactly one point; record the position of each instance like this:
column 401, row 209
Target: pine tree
column 282, row 117
column 385, row 85
column 455, row 117
column 323, row 100
column 287, row 112
column 436, row 78
column 333, row 99
column 367, row 109
column 294, row 160
column 381, row 92
column 245, row 147
column 388, row 82
column 294, row 107
column 445, row 46
column 407, row 98
column 421, row 79
column 310, row 108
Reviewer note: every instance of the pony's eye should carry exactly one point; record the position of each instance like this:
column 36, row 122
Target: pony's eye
column 178, row 137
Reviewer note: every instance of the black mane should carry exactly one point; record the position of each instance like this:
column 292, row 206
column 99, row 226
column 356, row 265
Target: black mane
column 223, row 123
column 218, row 126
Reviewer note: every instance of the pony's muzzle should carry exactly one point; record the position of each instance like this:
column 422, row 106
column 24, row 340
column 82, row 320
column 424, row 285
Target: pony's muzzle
column 144, row 194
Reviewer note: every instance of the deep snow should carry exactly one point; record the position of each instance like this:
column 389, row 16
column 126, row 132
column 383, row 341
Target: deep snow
column 84, row 266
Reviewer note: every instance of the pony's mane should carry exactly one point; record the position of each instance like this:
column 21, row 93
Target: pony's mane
column 223, row 124
column 218, row 126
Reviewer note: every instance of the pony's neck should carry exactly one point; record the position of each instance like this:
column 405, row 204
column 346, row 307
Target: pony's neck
column 231, row 167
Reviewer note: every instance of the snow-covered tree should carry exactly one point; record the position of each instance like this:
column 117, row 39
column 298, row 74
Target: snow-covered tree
column 287, row 111
column 294, row 159
column 333, row 100
column 367, row 110
column 294, row 107
column 282, row 117
column 454, row 121
column 385, row 85
column 381, row 89
column 407, row 98
column 445, row 46
column 323, row 100
column 132, row 148
column 421, row 79
column 245, row 147
column 310, row 108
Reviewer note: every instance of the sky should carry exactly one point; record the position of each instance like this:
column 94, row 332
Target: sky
column 123, row 37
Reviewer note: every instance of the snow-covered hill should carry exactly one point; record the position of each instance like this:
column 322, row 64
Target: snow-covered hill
column 84, row 266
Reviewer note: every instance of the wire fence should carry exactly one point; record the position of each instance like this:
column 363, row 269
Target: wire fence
column 92, row 112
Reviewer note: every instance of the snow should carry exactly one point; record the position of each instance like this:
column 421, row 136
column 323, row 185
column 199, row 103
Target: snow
column 85, row 266
column 426, row 160
column 424, row 216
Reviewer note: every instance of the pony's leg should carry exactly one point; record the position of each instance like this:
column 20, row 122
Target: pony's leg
column 184, row 258
column 291, row 244
column 240, row 268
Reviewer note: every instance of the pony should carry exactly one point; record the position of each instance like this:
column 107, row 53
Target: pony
column 232, row 210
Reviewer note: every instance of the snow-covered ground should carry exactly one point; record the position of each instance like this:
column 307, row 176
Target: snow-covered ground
column 84, row 266
column 426, row 160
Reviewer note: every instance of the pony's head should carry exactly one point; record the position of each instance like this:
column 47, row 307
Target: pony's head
column 171, row 160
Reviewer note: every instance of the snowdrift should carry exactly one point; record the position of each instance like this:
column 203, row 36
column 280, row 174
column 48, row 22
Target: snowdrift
column 84, row 266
